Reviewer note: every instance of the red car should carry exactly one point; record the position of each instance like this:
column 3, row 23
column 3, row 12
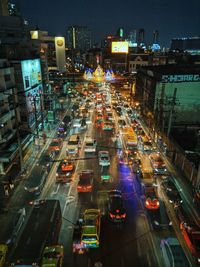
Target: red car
column 56, row 145
column 85, row 183
column 151, row 198
column 191, row 234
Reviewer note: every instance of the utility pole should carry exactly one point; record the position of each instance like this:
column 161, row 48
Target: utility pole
column 17, row 130
column 161, row 104
column 41, row 109
column 35, row 113
column 171, row 112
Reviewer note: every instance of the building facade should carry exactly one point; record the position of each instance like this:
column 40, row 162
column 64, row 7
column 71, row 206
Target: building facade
column 191, row 45
column 79, row 38
column 169, row 93
column 9, row 117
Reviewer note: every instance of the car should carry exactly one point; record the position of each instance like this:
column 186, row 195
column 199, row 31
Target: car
column 191, row 235
column 88, row 120
column 172, row 191
column 107, row 126
column 151, row 197
column 130, row 112
column 73, row 145
column 157, row 163
column 105, row 174
column 99, row 117
column 119, row 110
column 116, row 210
column 108, row 108
column 173, row 253
column 109, row 116
column 56, row 145
column 47, row 159
column 104, row 158
column 77, row 122
column 122, row 123
column 91, row 228
column 159, row 217
column 67, row 120
column 134, row 122
column 85, row 183
column 65, row 171
column 53, row 256
column 3, row 252
column 90, row 145
column 148, row 147
column 36, row 180
column 62, row 130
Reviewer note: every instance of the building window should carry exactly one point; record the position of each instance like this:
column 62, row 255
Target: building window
column 7, row 77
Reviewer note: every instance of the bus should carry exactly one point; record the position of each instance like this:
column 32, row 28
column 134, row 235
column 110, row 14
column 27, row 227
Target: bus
column 41, row 229
column 91, row 228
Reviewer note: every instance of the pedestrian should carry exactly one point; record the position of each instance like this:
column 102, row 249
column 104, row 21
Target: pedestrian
column 6, row 190
column 48, row 127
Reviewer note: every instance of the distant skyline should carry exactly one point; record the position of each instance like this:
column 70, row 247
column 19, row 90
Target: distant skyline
column 172, row 18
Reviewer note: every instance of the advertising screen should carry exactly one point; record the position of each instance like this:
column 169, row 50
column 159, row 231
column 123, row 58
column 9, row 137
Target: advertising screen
column 120, row 47
column 31, row 73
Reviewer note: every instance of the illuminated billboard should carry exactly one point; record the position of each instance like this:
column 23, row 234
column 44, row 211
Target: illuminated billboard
column 31, row 73
column 120, row 47
column 60, row 53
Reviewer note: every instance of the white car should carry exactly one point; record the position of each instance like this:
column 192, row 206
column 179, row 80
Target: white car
column 88, row 120
column 104, row 158
column 108, row 108
column 90, row 145
column 77, row 123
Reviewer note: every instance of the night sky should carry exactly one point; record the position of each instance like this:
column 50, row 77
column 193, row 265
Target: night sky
column 172, row 18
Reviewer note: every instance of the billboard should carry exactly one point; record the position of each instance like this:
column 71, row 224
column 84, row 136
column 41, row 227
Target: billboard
column 32, row 80
column 119, row 47
column 60, row 53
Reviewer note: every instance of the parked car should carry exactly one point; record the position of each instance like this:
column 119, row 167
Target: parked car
column 172, row 191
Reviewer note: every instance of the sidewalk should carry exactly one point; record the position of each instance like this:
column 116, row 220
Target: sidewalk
column 184, row 183
column 15, row 175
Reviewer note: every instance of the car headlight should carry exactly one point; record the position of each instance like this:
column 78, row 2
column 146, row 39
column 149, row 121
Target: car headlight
column 170, row 223
column 36, row 188
column 156, row 222
column 170, row 201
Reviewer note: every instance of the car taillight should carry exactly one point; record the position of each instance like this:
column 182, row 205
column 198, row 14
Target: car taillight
column 112, row 215
column 79, row 187
column 157, row 203
column 147, row 202
column 89, row 186
column 123, row 215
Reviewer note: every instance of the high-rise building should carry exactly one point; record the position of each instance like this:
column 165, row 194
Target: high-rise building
column 140, row 36
column 79, row 38
column 189, row 44
column 132, row 38
column 4, row 8
column 155, row 37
